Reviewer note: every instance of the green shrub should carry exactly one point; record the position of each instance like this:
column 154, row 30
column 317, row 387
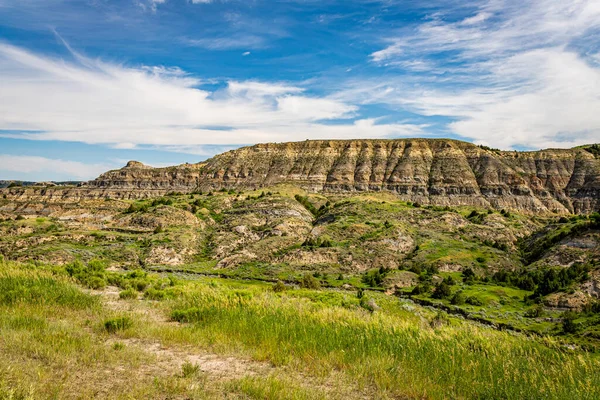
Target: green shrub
column 188, row 369
column 474, row 301
column 458, row 299
column 154, row 294
column 117, row 324
column 568, row 322
column 118, row 346
column 535, row 312
column 421, row 288
column 374, row 278
column 193, row 314
column 368, row 304
column 468, row 275
column 95, row 282
column 279, row 287
column 92, row 275
column 442, row 291
column 310, row 282
column 128, row 294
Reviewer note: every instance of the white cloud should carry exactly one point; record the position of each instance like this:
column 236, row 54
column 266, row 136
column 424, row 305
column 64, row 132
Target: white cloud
column 239, row 41
column 96, row 102
column 150, row 5
column 246, row 53
column 476, row 19
column 515, row 78
column 32, row 164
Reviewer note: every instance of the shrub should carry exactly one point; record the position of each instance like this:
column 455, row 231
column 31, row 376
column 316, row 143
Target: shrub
column 368, row 304
column 535, row 312
column 188, row 369
column 158, row 229
column 128, row 294
column 374, row 278
column 279, row 287
column 474, row 301
column 568, row 322
column 310, row 282
column 117, row 324
column 458, row 299
column 118, row 346
column 468, row 275
column 442, row 291
column 473, row 214
column 154, row 294
column 19, row 217
column 95, row 282
column 421, row 289
column 449, row 280
column 193, row 314
column 92, row 275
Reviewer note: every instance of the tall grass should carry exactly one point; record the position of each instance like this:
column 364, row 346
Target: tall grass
column 393, row 355
column 40, row 287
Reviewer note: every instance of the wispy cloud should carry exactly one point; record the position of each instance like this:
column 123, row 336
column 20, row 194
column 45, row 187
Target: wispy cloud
column 241, row 41
column 96, row 102
column 509, row 73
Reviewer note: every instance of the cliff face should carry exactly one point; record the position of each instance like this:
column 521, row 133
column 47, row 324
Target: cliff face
column 428, row 171
column 441, row 172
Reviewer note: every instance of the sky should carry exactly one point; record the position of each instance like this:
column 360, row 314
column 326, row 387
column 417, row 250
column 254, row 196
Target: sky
column 86, row 85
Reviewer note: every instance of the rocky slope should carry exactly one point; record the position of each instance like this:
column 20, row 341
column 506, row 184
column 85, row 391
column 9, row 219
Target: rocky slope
column 428, row 171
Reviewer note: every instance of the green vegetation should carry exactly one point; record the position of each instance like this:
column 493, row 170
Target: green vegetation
column 400, row 280
column 376, row 344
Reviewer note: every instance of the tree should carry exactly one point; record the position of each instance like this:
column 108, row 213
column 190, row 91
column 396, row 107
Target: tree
column 468, row 275
column 441, row 291
column 458, row 299
column 568, row 322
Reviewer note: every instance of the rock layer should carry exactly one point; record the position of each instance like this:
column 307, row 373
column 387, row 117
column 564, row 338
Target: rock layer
column 428, row 171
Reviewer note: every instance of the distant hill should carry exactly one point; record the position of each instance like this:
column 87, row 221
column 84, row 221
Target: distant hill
column 7, row 183
column 440, row 172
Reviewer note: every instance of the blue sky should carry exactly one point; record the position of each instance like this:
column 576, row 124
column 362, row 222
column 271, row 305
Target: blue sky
column 86, row 85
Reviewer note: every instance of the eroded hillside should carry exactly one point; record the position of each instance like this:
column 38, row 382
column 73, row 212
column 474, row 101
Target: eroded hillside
column 428, row 171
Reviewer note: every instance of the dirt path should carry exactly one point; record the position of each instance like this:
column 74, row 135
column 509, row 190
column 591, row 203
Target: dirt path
column 216, row 367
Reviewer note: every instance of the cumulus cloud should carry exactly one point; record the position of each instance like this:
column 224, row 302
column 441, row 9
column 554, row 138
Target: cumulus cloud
column 515, row 77
column 91, row 101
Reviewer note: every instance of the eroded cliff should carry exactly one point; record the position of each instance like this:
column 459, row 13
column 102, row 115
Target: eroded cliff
column 428, row 171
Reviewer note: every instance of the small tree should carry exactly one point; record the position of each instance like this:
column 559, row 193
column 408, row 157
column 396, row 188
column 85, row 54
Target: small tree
column 568, row 322
column 458, row 299
column 310, row 282
column 468, row 275
column 441, row 291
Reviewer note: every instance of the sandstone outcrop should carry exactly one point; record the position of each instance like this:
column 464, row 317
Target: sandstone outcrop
column 428, row 171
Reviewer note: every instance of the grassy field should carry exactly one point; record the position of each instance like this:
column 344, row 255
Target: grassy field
column 178, row 337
